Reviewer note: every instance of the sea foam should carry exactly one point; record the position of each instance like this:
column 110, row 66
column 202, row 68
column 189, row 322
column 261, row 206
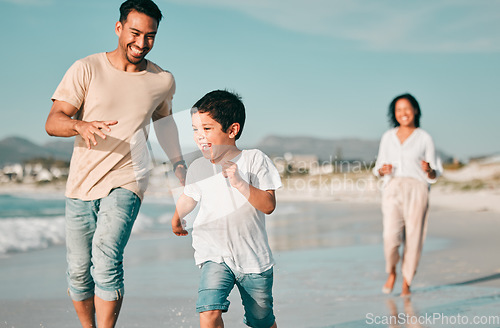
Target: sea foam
column 23, row 234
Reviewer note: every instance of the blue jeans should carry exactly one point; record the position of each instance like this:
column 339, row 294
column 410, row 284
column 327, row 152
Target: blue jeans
column 216, row 282
column 97, row 232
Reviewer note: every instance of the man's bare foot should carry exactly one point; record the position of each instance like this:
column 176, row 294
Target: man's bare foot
column 389, row 284
column 405, row 292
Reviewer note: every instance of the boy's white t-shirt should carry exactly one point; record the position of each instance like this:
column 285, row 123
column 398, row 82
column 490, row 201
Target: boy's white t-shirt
column 228, row 228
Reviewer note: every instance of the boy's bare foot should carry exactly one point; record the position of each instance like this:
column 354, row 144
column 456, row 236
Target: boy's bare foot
column 389, row 284
column 405, row 292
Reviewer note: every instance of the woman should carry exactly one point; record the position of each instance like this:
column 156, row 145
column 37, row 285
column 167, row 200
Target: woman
column 408, row 163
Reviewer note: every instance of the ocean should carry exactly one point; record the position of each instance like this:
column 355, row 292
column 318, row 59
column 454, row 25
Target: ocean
column 36, row 221
column 329, row 268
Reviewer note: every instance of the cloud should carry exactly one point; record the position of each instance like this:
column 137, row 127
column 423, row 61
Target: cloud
column 383, row 25
column 30, row 2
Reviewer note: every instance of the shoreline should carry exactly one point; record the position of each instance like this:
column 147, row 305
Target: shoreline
column 441, row 195
column 329, row 271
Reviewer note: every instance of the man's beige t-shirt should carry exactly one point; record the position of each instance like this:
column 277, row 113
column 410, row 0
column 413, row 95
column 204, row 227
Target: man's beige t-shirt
column 104, row 93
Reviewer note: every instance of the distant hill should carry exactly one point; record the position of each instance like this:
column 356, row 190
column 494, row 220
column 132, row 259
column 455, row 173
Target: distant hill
column 17, row 150
column 346, row 149
column 325, row 149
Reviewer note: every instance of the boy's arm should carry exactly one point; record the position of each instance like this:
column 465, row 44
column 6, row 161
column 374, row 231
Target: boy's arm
column 263, row 200
column 184, row 206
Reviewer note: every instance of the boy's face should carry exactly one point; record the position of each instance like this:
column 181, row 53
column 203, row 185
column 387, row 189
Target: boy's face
column 210, row 138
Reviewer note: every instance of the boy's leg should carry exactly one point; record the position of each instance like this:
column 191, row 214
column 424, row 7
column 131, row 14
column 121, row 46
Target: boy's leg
column 80, row 228
column 256, row 295
column 116, row 217
column 211, row 319
column 216, row 282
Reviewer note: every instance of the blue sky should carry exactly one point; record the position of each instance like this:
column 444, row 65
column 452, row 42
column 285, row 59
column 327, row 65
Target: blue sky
column 324, row 68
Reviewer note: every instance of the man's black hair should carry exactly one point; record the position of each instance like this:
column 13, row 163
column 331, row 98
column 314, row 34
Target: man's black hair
column 147, row 7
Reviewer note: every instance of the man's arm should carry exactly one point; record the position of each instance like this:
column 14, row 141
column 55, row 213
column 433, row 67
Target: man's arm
column 168, row 136
column 60, row 124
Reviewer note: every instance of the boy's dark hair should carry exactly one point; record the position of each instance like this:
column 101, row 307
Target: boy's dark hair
column 147, row 7
column 224, row 107
column 392, row 109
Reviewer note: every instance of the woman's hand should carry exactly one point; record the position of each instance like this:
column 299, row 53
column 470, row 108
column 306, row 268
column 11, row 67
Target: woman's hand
column 385, row 169
column 426, row 167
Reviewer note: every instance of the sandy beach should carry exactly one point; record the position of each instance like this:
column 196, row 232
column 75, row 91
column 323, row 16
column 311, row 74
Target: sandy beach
column 329, row 271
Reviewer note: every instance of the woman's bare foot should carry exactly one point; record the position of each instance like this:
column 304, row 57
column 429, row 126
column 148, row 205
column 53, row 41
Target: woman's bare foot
column 405, row 292
column 389, row 284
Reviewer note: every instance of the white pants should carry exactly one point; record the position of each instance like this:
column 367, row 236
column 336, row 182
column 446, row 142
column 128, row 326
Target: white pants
column 404, row 207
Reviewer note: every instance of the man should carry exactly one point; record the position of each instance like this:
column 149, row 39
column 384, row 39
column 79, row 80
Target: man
column 107, row 101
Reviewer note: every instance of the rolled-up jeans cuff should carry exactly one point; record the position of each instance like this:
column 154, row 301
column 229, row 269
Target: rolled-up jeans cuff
column 109, row 295
column 78, row 297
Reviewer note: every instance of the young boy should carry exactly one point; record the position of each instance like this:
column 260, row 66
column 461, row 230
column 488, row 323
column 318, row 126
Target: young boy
column 235, row 189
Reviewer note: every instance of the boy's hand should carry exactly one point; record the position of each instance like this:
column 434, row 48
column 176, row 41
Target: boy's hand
column 178, row 227
column 230, row 171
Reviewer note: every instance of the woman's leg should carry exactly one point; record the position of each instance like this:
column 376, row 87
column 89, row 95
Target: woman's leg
column 416, row 211
column 393, row 227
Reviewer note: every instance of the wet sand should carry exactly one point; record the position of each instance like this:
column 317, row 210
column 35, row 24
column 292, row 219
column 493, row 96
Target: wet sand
column 329, row 273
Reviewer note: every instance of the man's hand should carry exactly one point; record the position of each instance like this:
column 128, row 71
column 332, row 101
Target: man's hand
column 89, row 130
column 180, row 173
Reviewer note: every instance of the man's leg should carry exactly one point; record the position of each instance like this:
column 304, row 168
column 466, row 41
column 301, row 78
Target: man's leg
column 80, row 227
column 116, row 217
column 107, row 312
column 85, row 311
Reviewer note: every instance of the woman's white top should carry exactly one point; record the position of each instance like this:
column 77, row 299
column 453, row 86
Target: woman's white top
column 406, row 157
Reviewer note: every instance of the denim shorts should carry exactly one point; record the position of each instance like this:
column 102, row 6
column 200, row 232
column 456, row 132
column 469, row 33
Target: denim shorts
column 217, row 281
column 97, row 232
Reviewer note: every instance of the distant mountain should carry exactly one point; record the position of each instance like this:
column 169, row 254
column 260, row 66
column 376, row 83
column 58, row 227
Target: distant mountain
column 17, row 150
column 60, row 148
column 324, row 149
column 346, row 149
